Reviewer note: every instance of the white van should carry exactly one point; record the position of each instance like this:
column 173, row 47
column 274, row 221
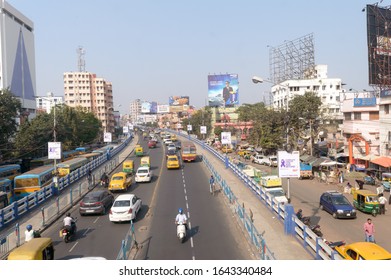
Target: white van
column 273, row 161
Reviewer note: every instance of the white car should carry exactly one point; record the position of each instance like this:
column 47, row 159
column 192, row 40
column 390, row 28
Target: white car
column 261, row 159
column 167, row 142
column 277, row 195
column 273, row 161
column 172, row 147
column 125, row 208
column 143, row 174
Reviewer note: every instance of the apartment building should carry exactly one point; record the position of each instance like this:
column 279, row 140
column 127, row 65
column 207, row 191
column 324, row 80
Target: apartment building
column 46, row 103
column 92, row 94
column 135, row 110
column 329, row 90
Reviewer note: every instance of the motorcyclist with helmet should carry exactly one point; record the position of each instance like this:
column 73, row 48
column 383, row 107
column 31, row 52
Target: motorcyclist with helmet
column 299, row 215
column 181, row 218
column 30, row 233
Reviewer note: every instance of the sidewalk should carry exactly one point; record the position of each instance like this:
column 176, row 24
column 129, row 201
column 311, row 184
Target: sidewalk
column 284, row 247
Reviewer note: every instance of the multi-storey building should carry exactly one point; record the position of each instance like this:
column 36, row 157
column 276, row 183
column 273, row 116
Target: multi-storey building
column 17, row 57
column 329, row 90
column 46, row 103
column 135, row 110
column 92, row 94
column 385, row 123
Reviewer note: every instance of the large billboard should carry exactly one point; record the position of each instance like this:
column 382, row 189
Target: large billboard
column 379, row 45
column 149, row 107
column 163, row 109
column 178, row 103
column 223, row 90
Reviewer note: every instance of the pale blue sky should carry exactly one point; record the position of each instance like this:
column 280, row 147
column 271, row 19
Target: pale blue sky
column 154, row 49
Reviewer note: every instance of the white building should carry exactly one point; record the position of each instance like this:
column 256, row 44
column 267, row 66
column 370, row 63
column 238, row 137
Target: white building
column 17, row 60
column 329, row 90
column 48, row 102
column 135, row 110
column 385, row 123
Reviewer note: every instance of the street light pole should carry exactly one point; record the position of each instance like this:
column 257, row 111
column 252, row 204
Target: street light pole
column 310, row 137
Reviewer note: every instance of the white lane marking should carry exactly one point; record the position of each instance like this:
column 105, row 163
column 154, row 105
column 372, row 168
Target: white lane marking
column 187, row 206
column 186, row 197
column 184, row 190
column 85, row 233
column 95, row 220
column 73, row 247
column 191, row 243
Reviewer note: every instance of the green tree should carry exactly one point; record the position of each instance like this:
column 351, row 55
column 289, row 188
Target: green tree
column 10, row 108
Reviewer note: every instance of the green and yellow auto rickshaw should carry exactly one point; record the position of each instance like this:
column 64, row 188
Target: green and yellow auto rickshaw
column 366, row 201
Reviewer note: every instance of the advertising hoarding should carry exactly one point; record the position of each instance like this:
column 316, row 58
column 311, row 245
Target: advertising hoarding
column 54, row 150
column 226, row 138
column 107, row 137
column 288, row 164
column 161, row 109
column 379, row 44
column 178, row 100
column 146, row 107
column 223, row 90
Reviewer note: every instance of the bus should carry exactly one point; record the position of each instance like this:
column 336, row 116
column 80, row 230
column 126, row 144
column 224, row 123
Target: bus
column 189, row 152
column 69, row 154
column 104, row 149
column 6, row 192
column 66, row 167
column 9, row 171
column 41, row 162
column 33, row 180
column 90, row 156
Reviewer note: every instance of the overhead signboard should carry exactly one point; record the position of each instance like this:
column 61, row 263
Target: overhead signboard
column 226, row 138
column 203, row 129
column 107, row 137
column 161, row 109
column 189, row 127
column 288, row 164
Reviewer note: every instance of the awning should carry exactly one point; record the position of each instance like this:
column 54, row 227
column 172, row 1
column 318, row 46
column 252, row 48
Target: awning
column 382, row 161
column 304, row 157
column 310, row 159
column 370, row 157
column 331, row 163
column 318, row 162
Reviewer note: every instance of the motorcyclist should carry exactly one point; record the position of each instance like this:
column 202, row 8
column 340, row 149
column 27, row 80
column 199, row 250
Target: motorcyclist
column 181, row 218
column 104, row 178
column 69, row 223
column 29, row 233
column 299, row 215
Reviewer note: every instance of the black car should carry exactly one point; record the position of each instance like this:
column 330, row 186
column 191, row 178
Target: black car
column 337, row 205
column 178, row 144
column 170, row 153
column 96, row 202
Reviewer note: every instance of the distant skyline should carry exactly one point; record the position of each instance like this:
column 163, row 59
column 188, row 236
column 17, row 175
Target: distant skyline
column 152, row 50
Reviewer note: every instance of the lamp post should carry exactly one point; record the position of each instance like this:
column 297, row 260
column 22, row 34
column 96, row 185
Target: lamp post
column 310, row 123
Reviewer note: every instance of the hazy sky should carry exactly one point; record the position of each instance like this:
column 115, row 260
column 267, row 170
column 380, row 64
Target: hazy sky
column 154, row 49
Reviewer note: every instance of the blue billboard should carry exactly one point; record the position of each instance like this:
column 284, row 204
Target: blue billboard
column 223, row 90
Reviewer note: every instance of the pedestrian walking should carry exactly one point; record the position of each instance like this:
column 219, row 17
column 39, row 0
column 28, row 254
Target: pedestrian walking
column 382, row 204
column 212, row 184
column 369, row 230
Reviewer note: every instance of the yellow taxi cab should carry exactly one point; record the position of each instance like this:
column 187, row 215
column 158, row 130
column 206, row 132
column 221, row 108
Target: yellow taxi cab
column 173, row 137
column 145, row 161
column 226, row 149
column 36, row 249
column 173, row 162
column 363, row 251
column 120, row 181
column 244, row 153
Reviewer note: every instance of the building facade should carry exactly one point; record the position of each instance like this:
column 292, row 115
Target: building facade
column 46, row 104
column 92, row 94
column 17, row 71
column 135, row 110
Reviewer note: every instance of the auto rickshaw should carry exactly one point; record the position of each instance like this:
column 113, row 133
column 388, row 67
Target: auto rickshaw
column 145, row 161
column 35, row 249
column 128, row 167
column 366, row 201
column 139, row 151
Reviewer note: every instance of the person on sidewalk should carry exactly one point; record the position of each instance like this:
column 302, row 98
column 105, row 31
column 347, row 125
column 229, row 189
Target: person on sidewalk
column 382, row 204
column 29, row 233
column 212, row 184
column 369, row 230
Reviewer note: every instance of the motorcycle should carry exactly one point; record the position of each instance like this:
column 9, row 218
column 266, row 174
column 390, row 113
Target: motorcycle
column 104, row 183
column 68, row 232
column 334, row 244
column 181, row 231
column 316, row 230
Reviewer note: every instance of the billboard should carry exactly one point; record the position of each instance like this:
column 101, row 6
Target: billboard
column 379, row 45
column 149, row 107
column 223, row 90
column 163, row 109
column 178, row 100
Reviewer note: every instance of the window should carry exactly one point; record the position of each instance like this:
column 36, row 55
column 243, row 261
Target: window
column 373, row 116
column 357, row 115
column 348, row 116
column 323, row 87
column 387, row 109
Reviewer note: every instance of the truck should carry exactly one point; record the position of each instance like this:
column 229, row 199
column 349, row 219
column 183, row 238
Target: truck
column 251, row 171
column 305, row 171
column 271, row 181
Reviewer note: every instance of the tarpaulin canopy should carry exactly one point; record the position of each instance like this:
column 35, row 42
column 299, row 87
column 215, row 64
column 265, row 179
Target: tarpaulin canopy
column 330, row 163
column 382, row 161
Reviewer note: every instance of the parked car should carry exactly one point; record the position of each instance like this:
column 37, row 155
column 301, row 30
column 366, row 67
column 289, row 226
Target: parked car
column 363, row 251
column 273, row 161
column 125, row 208
column 337, row 205
column 143, row 174
column 261, row 159
column 96, row 202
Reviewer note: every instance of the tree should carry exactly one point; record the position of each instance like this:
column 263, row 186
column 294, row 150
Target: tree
column 73, row 128
column 10, row 108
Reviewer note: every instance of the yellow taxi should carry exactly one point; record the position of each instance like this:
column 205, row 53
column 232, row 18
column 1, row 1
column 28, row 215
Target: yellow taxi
column 363, row 251
column 120, row 181
column 226, row 149
column 244, row 153
column 173, row 137
column 173, row 162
